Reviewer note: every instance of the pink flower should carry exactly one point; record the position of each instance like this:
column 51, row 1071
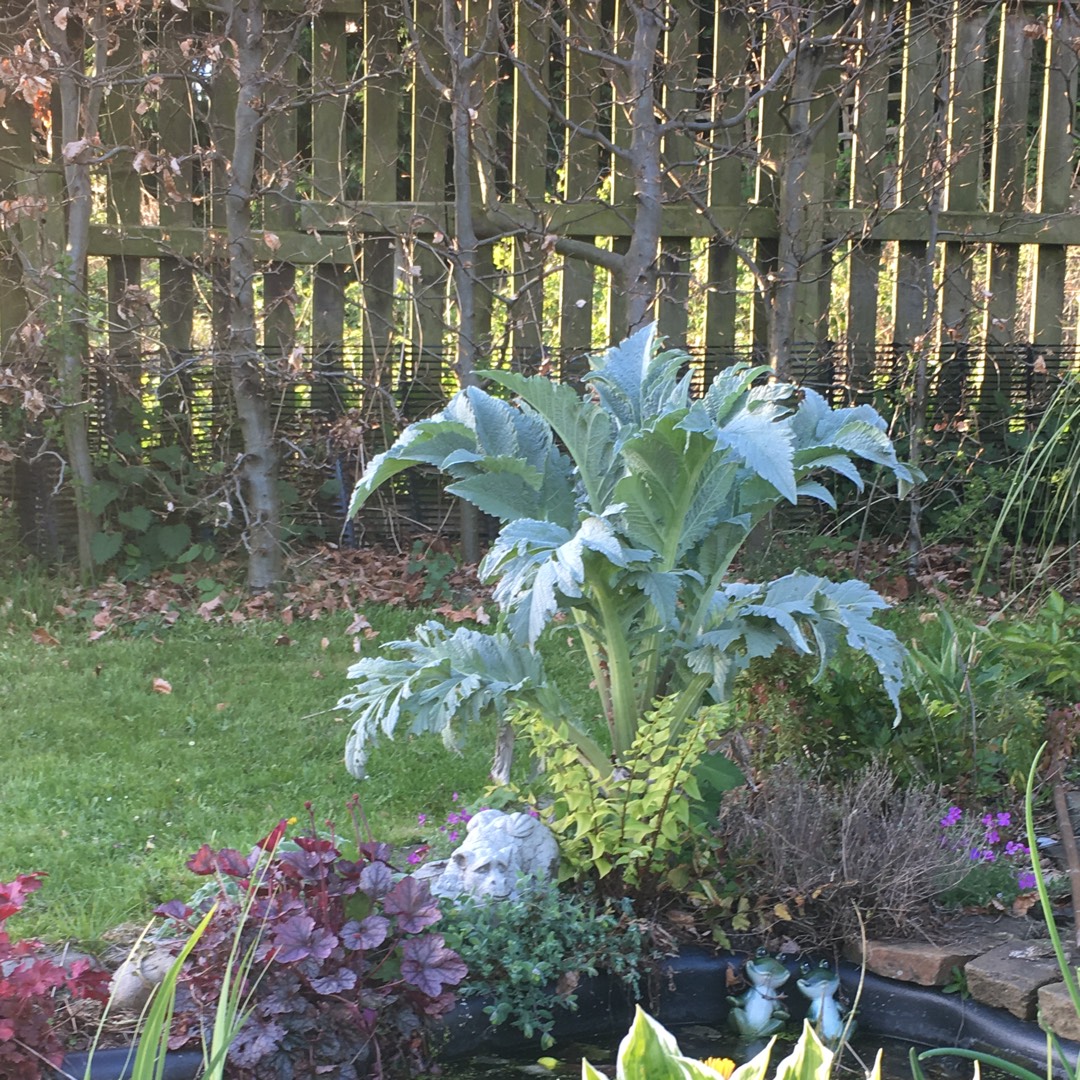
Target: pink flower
column 414, row 858
column 952, row 817
column 421, row 819
column 452, row 836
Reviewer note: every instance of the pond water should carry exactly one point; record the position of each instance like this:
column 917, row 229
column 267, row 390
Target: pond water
column 700, row 1040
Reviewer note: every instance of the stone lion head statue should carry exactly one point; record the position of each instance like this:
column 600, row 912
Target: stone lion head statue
column 498, row 850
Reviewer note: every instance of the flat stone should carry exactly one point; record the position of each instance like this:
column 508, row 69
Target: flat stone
column 923, row 962
column 1009, row 976
column 1058, row 1013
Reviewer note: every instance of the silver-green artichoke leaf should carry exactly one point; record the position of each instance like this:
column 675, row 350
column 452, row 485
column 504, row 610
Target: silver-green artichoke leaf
column 585, row 430
column 538, row 564
column 635, row 384
column 503, row 459
column 828, row 438
column 808, row 614
column 433, row 681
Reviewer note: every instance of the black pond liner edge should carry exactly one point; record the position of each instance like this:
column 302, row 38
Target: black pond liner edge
column 691, row 988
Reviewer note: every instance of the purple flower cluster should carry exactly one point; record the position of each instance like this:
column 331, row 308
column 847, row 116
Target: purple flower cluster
column 993, row 846
column 450, row 831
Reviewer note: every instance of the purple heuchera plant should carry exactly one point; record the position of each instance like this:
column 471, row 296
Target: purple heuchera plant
column 346, row 967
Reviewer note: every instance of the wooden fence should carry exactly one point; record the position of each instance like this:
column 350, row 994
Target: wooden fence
column 839, row 183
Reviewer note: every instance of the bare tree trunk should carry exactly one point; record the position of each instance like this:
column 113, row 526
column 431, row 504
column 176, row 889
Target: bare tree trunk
column 259, row 467
column 638, row 274
column 78, row 137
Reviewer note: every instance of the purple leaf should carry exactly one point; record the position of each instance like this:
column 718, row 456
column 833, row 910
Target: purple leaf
column 411, row 901
column 376, row 879
column 336, row 982
column 256, row 1040
column 231, row 862
column 307, row 865
column 369, row 934
column 376, row 852
column 202, row 862
column 429, row 965
column 174, row 909
column 318, row 846
column 299, row 938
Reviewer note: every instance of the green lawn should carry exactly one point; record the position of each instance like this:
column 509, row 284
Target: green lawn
column 108, row 785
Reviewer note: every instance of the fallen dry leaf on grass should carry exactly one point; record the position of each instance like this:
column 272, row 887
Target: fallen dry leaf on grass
column 161, row 686
column 42, row 636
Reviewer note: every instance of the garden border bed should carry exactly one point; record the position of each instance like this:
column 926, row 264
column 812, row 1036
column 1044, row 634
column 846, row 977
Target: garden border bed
column 692, row 988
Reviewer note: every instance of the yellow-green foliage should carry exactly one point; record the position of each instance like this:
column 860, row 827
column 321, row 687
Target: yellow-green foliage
column 637, row 819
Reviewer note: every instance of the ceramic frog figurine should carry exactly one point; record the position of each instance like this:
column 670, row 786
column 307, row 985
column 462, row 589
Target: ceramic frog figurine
column 760, row 1012
column 820, row 985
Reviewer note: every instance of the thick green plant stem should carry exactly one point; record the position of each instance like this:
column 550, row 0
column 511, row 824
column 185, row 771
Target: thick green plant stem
column 596, row 665
column 688, row 702
column 624, row 707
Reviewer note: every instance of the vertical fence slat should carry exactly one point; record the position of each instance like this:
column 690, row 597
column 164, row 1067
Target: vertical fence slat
column 622, row 189
column 679, row 100
column 16, row 159
column 869, row 191
column 1007, row 171
column 920, row 75
column 812, row 295
column 381, row 161
column 581, row 167
column 1054, row 175
column 428, row 275
column 330, row 69
column 731, row 34
column 528, row 184
column 964, row 177
column 771, row 136
column 279, row 163
column 118, row 384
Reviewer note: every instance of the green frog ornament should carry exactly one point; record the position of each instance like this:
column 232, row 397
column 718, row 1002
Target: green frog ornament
column 760, row 1011
column 820, row 985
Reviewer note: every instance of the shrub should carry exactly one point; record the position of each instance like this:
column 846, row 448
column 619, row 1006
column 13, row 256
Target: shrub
column 828, row 855
column 29, row 981
column 348, row 966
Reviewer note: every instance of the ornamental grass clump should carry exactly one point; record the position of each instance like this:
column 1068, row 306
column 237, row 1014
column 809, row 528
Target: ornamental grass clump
column 621, row 510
